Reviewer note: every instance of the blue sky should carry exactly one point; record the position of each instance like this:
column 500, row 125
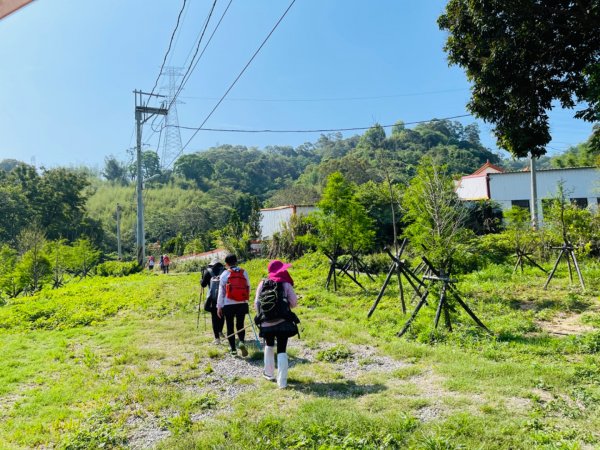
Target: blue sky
column 69, row 68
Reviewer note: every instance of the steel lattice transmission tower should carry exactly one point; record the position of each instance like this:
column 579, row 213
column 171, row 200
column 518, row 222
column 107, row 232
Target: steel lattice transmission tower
column 171, row 142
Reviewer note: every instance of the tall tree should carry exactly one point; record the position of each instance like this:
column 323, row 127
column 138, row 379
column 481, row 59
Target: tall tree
column 115, row 171
column 435, row 215
column 522, row 56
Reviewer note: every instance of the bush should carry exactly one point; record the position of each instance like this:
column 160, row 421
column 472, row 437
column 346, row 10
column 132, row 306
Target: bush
column 377, row 262
column 117, row 268
column 190, row 265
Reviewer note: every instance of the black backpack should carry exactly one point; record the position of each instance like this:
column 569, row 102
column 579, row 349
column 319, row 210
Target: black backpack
column 213, row 288
column 272, row 303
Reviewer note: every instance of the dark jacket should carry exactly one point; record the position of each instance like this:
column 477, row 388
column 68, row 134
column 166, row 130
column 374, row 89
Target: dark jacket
column 217, row 269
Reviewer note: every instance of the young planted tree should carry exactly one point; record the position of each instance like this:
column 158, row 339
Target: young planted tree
column 437, row 218
column 567, row 224
column 522, row 238
column 435, row 215
column 341, row 223
column 84, row 257
column 58, row 253
column 33, row 267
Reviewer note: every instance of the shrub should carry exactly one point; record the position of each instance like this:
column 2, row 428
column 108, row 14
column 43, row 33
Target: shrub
column 117, row 268
column 190, row 265
column 334, row 354
column 377, row 262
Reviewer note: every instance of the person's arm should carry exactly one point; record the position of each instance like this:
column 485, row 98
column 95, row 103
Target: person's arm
column 258, row 288
column 205, row 279
column 247, row 279
column 221, row 297
column 291, row 295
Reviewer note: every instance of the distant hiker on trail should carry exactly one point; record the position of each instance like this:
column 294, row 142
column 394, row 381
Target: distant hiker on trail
column 161, row 263
column 211, row 279
column 274, row 299
column 166, row 262
column 234, row 292
column 151, row 263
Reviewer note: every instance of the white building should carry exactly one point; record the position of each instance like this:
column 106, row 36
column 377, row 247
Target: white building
column 476, row 186
column 508, row 189
column 271, row 219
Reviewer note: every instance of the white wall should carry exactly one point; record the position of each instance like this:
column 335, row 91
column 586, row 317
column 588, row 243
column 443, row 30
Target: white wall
column 578, row 183
column 472, row 188
column 271, row 219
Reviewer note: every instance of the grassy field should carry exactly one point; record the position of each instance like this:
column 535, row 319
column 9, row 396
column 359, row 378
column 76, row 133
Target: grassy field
column 120, row 363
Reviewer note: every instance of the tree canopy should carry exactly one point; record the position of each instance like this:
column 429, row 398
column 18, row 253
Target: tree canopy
column 523, row 57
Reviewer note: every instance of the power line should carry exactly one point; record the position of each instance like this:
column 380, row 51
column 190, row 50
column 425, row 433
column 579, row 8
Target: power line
column 328, row 99
column 168, row 49
column 236, row 79
column 189, row 69
column 318, row 130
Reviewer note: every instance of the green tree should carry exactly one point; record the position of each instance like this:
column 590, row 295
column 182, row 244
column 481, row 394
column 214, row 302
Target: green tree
column 341, row 222
column 521, row 57
column 435, row 215
column 16, row 212
column 235, row 237
column 9, row 286
column 33, row 266
column 84, row 257
column 115, row 171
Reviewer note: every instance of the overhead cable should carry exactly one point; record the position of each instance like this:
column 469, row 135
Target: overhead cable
column 168, row 49
column 189, row 69
column 317, row 130
column 236, row 79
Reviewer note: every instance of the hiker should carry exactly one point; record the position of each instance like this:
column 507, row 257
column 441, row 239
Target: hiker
column 166, row 263
column 234, row 292
column 161, row 263
column 151, row 263
column 211, row 279
column 274, row 299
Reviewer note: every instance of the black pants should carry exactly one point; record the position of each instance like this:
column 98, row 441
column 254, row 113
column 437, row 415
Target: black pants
column 235, row 313
column 281, row 341
column 217, row 323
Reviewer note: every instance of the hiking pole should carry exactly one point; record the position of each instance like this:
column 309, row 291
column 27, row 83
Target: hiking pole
column 254, row 330
column 236, row 332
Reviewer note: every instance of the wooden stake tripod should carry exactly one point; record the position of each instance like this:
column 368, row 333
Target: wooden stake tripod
column 333, row 265
column 567, row 251
column 400, row 268
column 355, row 265
column 448, row 285
column 521, row 256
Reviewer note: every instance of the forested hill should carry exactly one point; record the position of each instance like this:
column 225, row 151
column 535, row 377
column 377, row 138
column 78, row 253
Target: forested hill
column 269, row 174
column 220, row 188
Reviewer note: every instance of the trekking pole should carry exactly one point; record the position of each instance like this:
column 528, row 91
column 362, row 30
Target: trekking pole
column 236, row 332
column 254, row 330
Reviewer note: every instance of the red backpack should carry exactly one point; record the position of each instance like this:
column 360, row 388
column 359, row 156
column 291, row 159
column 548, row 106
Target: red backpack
column 237, row 288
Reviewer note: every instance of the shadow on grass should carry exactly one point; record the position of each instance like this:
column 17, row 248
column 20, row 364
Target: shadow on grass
column 337, row 389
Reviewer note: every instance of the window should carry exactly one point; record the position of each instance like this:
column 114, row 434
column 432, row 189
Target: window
column 580, row 202
column 520, row 203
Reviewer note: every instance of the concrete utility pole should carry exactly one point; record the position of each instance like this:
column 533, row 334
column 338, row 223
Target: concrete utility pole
column 119, row 232
column 533, row 206
column 142, row 114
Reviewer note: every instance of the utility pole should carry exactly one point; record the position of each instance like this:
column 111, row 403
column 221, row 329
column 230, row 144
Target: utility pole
column 533, row 207
column 142, row 114
column 119, row 232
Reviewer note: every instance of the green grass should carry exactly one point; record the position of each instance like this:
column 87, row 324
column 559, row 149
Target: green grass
column 91, row 364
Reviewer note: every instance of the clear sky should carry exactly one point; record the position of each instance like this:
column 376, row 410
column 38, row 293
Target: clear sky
column 68, row 69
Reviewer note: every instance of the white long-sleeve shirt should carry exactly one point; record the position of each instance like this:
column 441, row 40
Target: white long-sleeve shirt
column 222, row 300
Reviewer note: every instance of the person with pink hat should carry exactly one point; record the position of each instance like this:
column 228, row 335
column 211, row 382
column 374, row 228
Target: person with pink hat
column 275, row 296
